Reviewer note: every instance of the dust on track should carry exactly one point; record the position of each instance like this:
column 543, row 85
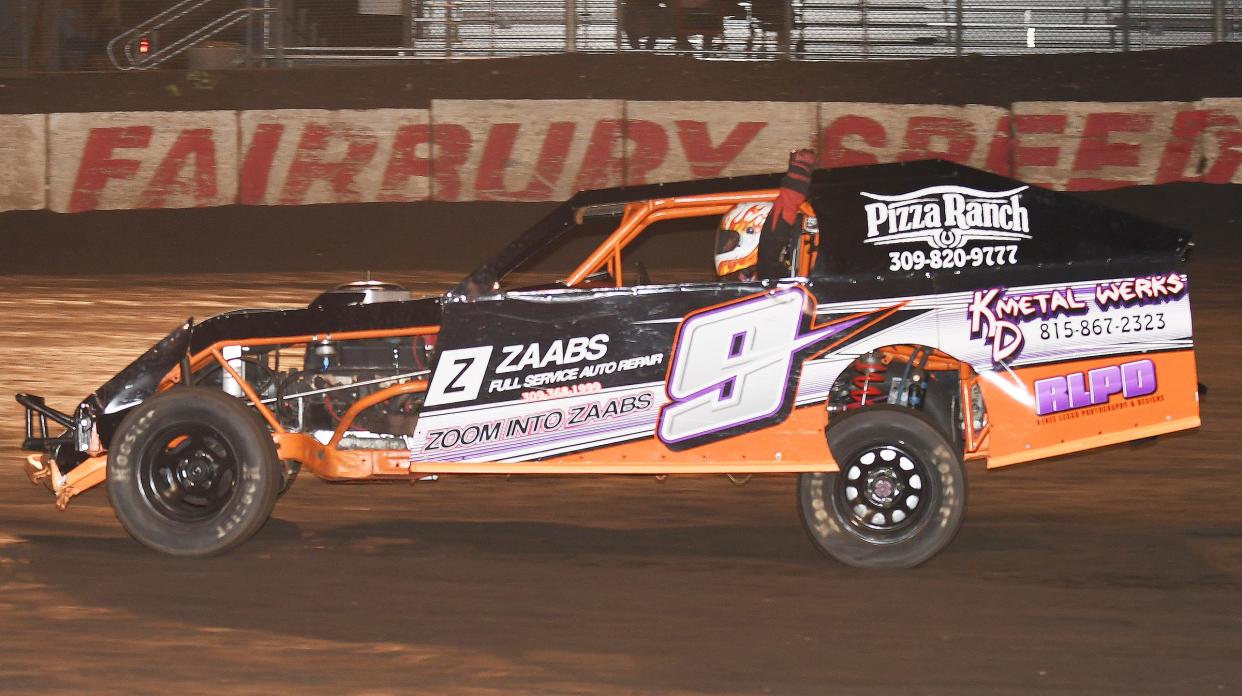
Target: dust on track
column 1112, row 571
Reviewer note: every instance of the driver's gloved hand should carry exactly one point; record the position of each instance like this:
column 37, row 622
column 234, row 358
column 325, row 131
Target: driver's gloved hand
column 798, row 177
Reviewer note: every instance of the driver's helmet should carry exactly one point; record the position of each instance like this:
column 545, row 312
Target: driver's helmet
column 737, row 240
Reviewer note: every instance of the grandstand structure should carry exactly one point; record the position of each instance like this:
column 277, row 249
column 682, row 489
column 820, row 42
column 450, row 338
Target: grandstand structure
column 144, row 34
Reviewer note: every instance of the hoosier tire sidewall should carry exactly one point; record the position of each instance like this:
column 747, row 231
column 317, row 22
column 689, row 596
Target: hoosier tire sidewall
column 829, row 527
column 257, row 486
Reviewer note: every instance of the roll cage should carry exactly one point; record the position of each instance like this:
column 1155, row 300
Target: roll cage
column 637, row 217
column 635, row 209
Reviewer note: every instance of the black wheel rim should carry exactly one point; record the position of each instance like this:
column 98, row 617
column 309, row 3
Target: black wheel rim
column 885, row 493
column 188, row 472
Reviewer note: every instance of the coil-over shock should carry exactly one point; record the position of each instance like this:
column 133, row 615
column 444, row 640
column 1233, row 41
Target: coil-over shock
column 917, row 377
column 870, row 384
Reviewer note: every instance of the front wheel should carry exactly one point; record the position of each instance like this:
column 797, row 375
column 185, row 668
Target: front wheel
column 193, row 472
column 899, row 495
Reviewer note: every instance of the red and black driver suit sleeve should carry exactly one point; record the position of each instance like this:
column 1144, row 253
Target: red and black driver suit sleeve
column 778, row 229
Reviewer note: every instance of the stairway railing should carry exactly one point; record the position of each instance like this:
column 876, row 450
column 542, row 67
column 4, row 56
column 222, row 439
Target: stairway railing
column 124, row 49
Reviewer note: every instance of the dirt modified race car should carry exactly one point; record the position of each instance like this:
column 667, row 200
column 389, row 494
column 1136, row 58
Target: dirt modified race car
column 932, row 314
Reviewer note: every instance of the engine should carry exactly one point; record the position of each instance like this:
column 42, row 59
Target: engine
column 336, row 374
column 332, row 375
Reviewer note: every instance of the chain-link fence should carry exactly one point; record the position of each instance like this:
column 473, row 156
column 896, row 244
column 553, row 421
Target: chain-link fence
column 86, row 34
column 800, row 29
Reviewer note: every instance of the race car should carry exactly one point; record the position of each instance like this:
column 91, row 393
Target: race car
column 927, row 313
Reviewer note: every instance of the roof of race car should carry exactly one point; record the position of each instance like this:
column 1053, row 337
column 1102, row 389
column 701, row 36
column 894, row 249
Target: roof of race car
column 564, row 216
column 1066, row 228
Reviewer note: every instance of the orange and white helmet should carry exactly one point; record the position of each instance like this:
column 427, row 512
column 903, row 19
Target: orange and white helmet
column 737, row 240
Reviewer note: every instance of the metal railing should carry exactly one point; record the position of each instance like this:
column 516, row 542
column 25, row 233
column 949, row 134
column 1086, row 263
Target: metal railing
column 292, row 32
column 796, row 29
column 179, row 28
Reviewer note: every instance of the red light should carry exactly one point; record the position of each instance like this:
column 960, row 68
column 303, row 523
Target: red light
column 144, row 45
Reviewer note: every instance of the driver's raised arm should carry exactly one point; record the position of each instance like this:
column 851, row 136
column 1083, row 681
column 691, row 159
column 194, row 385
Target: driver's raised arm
column 778, row 229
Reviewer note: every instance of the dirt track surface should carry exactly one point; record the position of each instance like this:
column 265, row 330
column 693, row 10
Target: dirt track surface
column 1117, row 571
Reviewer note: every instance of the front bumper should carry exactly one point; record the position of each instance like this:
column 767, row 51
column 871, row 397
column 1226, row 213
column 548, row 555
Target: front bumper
column 42, row 469
column 37, row 471
column 39, row 436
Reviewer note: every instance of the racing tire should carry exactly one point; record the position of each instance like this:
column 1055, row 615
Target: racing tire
column 899, row 496
column 193, row 472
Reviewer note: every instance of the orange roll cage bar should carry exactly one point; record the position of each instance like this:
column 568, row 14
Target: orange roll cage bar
column 642, row 214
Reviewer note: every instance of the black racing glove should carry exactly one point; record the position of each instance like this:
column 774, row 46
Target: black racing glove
column 798, row 176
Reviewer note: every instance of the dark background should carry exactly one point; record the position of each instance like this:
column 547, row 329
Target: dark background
column 383, row 236
column 1109, row 571
column 1182, row 74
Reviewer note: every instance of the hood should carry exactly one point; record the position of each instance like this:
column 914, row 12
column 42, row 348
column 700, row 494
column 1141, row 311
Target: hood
column 140, row 379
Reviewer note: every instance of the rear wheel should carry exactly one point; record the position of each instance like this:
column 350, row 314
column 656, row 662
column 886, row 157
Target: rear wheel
column 193, row 472
column 899, row 496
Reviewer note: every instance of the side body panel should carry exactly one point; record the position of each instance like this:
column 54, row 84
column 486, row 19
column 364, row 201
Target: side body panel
column 1103, row 401
column 584, row 377
column 1075, row 318
column 1070, row 366
column 1104, row 366
column 687, row 373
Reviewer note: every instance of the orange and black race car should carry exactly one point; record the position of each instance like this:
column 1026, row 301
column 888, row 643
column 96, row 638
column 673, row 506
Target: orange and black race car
column 926, row 314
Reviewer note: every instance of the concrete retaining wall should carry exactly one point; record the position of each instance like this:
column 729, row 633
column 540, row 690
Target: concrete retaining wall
column 543, row 150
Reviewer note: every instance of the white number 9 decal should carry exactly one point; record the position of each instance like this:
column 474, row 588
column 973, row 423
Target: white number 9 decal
column 731, row 365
